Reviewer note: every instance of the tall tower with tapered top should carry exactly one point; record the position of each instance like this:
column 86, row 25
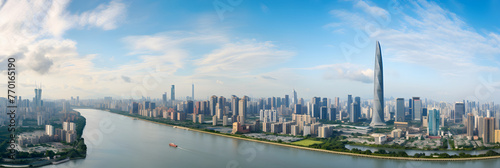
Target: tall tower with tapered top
column 378, row 99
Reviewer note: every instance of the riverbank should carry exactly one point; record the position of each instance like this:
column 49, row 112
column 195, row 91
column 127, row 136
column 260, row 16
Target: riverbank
column 315, row 149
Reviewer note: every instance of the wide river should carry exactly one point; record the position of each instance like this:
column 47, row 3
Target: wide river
column 118, row 141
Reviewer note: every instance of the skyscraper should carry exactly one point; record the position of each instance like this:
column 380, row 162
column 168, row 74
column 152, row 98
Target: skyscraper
column 410, row 109
column 295, row 99
column 332, row 114
column 172, row 93
column 337, row 101
column 242, row 109
column 164, row 98
column 470, row 125
column 287, row 101
column 459, row 111
column 192, row 92
column 316, row 107
column 497, row 136
column 222, row 106
column 234, row 105
column 190, row 107
column 378, row 100
column 355, row 110
column 497, row 118
column 417, row 109
column 213, row 105
column 38, row 97
column 434, row 119
column 489, row 130
column 400, row 110
column 349, row 104
column 357, row 100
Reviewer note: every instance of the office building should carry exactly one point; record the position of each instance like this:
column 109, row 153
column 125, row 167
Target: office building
column 324, row 113
column 355, row 110
column 337, row 103
column 459, row 112
column 164, row 98
column 417, row 109
column 172, row 93
column 400, row 110
column 295, row 98
column 332, row 114
column 287, row 101
column 297, row 109
column 316, row 107
column 349, row 104
column 434, row 118
column 378, row 100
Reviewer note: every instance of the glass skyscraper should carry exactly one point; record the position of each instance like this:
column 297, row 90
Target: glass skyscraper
column 378, row 96
column 433, row 127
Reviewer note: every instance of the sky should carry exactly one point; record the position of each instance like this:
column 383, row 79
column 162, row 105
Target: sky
column 439, row 50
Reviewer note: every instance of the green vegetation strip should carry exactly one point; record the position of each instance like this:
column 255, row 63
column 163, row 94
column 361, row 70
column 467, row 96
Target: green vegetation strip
column 306, row 142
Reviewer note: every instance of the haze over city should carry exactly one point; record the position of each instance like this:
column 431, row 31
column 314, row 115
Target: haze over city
column 445, row 51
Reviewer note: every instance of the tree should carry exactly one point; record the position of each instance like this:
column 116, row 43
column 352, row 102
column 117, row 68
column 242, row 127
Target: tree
column 402, row 154
column 491, row 153
column 49, row 153
column 381, row 151
column 444, row 155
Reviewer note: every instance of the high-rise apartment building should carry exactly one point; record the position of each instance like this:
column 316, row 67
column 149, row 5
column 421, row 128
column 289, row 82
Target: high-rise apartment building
column 470, row 125
column 489, row 130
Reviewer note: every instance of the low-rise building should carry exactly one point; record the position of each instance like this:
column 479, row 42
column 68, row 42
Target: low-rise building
column 397, row 133
column 379, row 138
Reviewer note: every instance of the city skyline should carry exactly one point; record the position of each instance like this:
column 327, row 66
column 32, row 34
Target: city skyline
column 230, row 56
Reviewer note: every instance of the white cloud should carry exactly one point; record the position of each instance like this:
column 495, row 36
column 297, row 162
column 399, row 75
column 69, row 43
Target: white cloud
column 426, row 35
column 104, row 16
column 348, row 71
column 372, row 10
column 242, row 57
column 33, row 32
column 167, row 49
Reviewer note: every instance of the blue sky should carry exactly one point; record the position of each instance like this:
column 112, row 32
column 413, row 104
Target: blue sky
column 440, row 50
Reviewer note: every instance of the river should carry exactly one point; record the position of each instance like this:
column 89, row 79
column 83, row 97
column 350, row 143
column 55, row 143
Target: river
column 117, row 141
